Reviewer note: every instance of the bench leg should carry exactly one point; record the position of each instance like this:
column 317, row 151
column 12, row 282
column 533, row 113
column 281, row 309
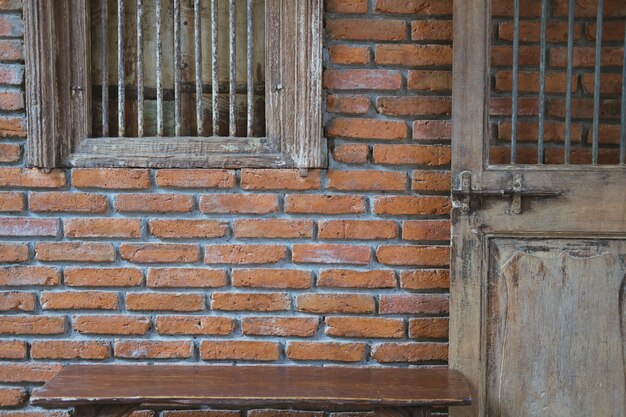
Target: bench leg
column 117, row 410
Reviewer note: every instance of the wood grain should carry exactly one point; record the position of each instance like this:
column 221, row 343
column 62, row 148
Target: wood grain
column 254, row 386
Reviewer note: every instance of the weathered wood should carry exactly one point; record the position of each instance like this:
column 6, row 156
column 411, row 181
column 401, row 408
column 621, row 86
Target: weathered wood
column 510, row 375
column 246, row 386
column 556, row 337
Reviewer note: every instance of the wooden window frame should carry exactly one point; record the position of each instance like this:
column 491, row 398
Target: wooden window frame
column 58, row 93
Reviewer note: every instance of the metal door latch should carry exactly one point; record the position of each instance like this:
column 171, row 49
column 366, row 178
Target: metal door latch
column 465, row 192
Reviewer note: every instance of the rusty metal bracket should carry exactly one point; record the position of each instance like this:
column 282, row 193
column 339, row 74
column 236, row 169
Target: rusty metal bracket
column 465, row 192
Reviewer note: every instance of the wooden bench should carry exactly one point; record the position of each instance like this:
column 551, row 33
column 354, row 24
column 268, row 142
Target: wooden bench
column 117, row 390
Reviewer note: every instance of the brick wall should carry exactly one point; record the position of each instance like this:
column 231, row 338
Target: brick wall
column 345, row 266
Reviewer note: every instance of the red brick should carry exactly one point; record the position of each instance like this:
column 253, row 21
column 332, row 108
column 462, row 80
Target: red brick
column 326, row 351
column 67, row 202
column 195, row 325
column 528, row 82
column 12, row 349
column 348, row 104
column 111, row 324
column 425, row 279
column 11, row 25
column 335, row 303
column 612, row 31
column 27, row 325
column 102, row 227
column 351, row 153
column 164, row 301
column 426, row 230
column 11, row 201
column 73, row 300
column 280, row 326
column 11, row 126
column 556, row 32
column 284, row 413
column 159, row 252
column 423, row 7
column 362, row 79
column 10, row 152
column 410, row 205
column 12, row 253
column 413, row 55
column 12, row 50
column 28, row 372
column 23, row 226
column 432, row 129
column 31, row 178
column 364, row 327
column 29, row 275
column 413, row 255
column 348, row 278
column 195, row 178
column 74, row 251
column 273, row 228
column 346, row 6
column 609, row 109
column 111, row 178
column 366, row 180
column 17, row 301
column 67, row 349
column 154, row 203
column 239, row 203
column 357, row 229
column 271, row 278
column 502, row 106
column 153, row 349
column 609, row 83
column 431, row 30
column 428, row 80
column 279, row 179
column 527, row 131
column 185, row 277
column 426, row 155
column 244, row 350
column 431, row 181
column 201, row 413
column 102, row 277
column 503, row 56
column 48, row 413
column 331, row 254
column 12, row 74
column 366, row 30
column 12, row 397
column 349, row 55
column 324, row 204
column 250, row 301
column 431, row 328
column 243, row 254
column 409, row 352
column 414, row 304
column 414, row 106
column 586, row 57
column 194, row 229
column 589, row 8
column 368, row 129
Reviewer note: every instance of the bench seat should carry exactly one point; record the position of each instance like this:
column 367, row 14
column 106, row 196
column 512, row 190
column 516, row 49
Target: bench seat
column 117, row 390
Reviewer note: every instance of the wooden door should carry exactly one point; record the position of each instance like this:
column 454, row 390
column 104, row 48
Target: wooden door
column 538, row 293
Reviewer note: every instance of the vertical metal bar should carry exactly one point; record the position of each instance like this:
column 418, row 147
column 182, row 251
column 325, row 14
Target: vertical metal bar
column 105, row 70
column 596, row 88
column 120, row 69
column 140, row 68
column 232, row 69
column 542, row 82
column 250, row 56
column 197, row 33
column 214, row 70
column 515, row 91
column 568, row 93
column 159, row 69
column 622, row 142
column 177, row 75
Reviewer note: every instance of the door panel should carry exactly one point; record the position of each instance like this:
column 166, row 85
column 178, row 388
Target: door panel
column 555, row 328
column 539, row 244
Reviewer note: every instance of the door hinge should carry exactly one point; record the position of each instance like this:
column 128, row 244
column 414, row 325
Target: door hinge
column 466, row 191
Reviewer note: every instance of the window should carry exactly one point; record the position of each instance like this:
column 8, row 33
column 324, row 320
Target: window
column 174, row 83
